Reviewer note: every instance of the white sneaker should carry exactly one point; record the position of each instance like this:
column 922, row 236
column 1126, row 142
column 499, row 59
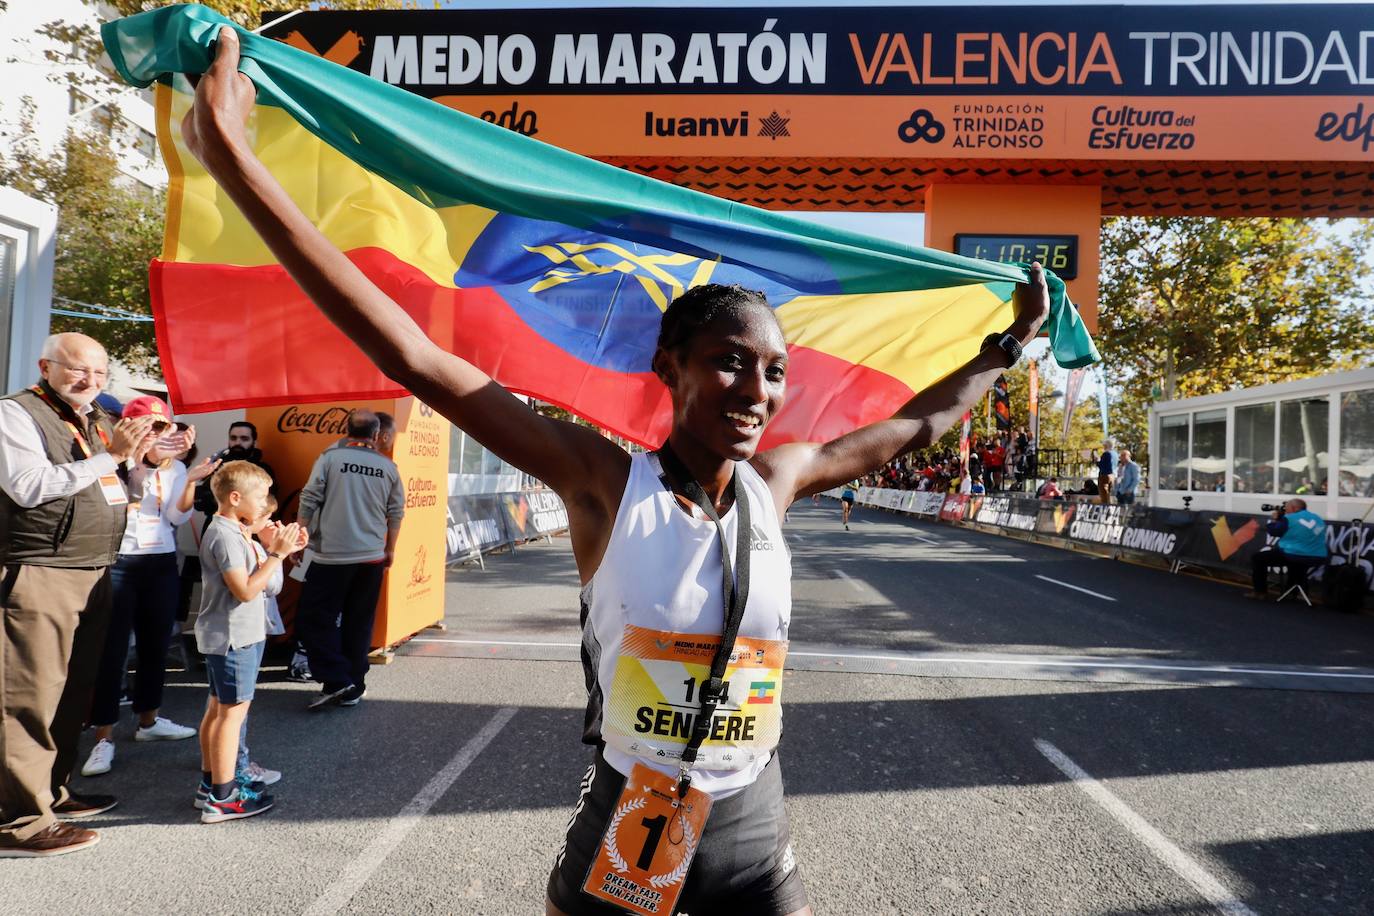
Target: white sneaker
column 163, row 730
column 256, row 772
column 102, row 756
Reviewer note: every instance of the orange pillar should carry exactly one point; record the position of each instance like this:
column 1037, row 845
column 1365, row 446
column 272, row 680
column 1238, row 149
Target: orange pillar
column 292, row 437
column 952, row 209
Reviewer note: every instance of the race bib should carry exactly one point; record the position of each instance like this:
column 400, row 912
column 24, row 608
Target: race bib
column 650, row 840
column 654, row 698
column 150, row 532
column 112, row 488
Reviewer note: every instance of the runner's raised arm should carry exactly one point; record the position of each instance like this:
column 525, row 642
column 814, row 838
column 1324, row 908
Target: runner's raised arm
column 803, row 468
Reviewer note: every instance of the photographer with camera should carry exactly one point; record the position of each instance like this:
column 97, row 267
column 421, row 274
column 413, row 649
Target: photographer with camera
column 1300, row 548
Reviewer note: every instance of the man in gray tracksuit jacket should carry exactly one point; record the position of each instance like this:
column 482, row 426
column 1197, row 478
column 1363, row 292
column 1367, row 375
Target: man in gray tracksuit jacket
column 352, row 506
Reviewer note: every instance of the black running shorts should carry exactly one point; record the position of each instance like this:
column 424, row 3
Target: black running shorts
column 743, row 866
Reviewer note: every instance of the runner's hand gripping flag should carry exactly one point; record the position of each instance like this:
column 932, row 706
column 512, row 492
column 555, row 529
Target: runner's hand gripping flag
column 547, row 270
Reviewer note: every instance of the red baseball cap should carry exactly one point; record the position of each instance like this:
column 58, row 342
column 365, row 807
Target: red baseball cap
column 146, row 405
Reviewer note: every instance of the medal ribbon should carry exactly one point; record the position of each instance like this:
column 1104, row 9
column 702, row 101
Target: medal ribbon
column 75, row 430
column 734, row 590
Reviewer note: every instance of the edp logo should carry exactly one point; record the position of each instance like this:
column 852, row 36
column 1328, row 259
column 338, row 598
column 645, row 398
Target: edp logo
column 1351, row 126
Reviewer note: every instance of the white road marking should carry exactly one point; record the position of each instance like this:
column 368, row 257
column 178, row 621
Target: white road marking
column 917, row 537
column 1163, row 848
column 501, row 642
column 1081, row 663
column 1077, row 588
column 854, row 583
column 1031, row 662
column 356, row 873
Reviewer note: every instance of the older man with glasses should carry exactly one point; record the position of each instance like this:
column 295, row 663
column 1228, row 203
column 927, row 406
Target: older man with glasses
column 63, row 509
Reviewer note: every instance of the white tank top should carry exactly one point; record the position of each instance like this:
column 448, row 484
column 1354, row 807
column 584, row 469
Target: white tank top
column 652, row 617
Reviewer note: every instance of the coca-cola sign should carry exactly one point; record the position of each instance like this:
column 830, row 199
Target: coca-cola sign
column 323, row 421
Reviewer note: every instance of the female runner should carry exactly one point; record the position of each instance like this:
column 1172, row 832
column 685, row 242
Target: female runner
column 650, row 560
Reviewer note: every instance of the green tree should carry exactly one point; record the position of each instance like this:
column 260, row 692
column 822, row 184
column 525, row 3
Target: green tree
column 1192, row 306
column 108, row 229
column 80, row 42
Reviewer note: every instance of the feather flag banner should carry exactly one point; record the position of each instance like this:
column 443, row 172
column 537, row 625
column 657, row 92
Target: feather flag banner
column 547, row 270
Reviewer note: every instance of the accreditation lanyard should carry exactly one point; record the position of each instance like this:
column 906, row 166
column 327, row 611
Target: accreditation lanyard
column 734, row 590
column 75, row 430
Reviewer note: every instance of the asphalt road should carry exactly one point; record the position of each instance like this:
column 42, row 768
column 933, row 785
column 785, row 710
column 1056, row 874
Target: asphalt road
column 966, row 733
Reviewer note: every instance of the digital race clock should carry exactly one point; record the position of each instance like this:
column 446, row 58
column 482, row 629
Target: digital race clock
column 1057, row 252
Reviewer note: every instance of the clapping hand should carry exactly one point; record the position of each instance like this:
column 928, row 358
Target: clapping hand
column 132, row 438
column 288, row 539
column 202, row 470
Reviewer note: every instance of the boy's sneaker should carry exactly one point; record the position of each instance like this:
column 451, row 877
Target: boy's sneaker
column 100, row 760
column 298, row 669
column 352, row 696
column 163, row 730
column 257, row 773
column 203, row 790
column 328, row 697
column 243, row 802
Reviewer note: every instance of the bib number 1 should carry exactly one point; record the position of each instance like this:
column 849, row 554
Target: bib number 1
column 648, row 845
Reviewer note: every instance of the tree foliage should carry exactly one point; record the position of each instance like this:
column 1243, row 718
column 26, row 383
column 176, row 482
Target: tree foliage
column 81, row 59
column 1192, row 306
column 108, row 229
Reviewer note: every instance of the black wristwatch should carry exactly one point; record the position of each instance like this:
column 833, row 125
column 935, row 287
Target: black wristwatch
column 1007, row 343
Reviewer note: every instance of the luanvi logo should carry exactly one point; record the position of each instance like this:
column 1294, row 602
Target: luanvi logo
column 737, row 126
column 343, row 52
column 1351, row 126
column 774, row 126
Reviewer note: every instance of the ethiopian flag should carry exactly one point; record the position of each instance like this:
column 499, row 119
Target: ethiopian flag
column 547, row 270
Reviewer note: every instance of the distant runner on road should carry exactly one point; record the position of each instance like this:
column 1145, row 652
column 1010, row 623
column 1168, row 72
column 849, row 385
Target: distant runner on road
column 847, row 496
column 686, row 580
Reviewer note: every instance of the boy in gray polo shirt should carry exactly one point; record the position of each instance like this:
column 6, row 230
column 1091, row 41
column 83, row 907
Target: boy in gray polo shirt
column 231, row 631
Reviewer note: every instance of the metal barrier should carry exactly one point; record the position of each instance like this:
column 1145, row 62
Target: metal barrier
column 483, row 522
column 1221, row 541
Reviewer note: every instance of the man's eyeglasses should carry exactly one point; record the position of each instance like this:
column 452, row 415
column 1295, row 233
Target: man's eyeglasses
column 160, row 426
column 99, row 375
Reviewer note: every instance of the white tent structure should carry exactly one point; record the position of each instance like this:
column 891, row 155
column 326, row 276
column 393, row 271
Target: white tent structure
column 1238, row 450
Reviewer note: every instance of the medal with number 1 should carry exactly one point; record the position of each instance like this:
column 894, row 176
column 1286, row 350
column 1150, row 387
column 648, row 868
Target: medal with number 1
column 649, row 843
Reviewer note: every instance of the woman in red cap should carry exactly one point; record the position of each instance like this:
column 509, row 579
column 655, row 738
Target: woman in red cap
column 146, row 583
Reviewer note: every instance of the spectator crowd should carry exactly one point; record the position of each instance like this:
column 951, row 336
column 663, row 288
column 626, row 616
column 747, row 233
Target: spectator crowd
column 1007, row 461
column 92, row 494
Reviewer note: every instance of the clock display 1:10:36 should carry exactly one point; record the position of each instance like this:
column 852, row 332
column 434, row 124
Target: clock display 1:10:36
column 1057, row 252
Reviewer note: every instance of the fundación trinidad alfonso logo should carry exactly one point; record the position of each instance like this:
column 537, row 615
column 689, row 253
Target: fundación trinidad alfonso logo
column 922, row 125
column 1062, row 515
column 1229, row 542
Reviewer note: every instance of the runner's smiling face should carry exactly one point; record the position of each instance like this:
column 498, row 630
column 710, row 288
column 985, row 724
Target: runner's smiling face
column 728, row 380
